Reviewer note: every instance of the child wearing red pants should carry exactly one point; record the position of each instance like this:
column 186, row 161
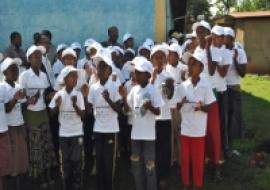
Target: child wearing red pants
column 196, row 96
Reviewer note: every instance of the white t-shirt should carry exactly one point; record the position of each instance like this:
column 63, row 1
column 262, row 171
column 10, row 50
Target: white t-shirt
column 194, row 122
column 219, row 81
column 106, row 120
column 165, row 110
column 34, row 84
column 129, row 85
column 81, row 81
column 143, row 125
column 119, row 75
column 176, row 72
column 3, row 118
column 58, row 66
column 233, row 78
column 15, row 117
column 70, row 122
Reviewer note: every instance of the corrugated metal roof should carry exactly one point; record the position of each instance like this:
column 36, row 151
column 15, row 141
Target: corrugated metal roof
column 250, row 14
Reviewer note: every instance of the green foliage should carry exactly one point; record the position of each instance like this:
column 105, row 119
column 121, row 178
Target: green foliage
column 253, row 5
column 198, row 7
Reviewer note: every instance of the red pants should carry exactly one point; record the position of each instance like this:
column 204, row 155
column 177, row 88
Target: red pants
column 213, row 138
column 192, row 157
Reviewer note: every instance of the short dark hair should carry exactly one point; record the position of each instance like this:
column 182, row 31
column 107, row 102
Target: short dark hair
column 47, row 33
column 36, row 38
column 13, row 35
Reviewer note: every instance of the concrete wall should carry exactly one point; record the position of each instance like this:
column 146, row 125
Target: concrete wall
column 76, row 20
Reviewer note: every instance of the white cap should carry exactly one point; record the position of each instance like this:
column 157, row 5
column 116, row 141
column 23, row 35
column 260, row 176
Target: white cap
column 174, row 47
column 65, row 72
column 102, row 56
column 144, row 46
column 69, row 51
column 34, row 48
column 218, row 30
column 149, row 42
column 142, row 65
column 126, row 37
column 76, row 45
column 202, row 23
column 61, row 47
column 160, row 47
column 117, row 50
column 229, row 32
column 8, row 62
column 130, row 50
column 88, row 42
column 200, row 57
column 94, row 45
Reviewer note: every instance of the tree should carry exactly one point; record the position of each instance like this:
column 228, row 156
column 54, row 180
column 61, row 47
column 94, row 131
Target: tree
column 224, row 6
column 253, row 5
column 198, row 7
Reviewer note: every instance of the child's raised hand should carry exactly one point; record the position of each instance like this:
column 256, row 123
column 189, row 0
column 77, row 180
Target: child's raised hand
column 19, row 95
column 32, row 100
column 85, row 90
column 235, row 54
column 106, row 95
column 74, row 100
column 58, row 101
column 147, row 105
column 122, row 91
column 198, row 106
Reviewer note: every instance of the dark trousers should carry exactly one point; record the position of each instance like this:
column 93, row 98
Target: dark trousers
column 105, row 144
column 222, row 98
column 88, row 123
column 235, row 116
column 163, row 148
column 71, row 149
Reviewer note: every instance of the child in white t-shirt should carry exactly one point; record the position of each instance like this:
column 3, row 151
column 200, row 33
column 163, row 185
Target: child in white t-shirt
column 104, row 98
column 70, row 105
column 195, row 95
column 16, row 129
column 144, row 101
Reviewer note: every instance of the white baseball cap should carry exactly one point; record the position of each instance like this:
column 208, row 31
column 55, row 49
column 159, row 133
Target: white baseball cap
column 94, row 45
column 142, row 65
column 174, row 47
column 76, row 45
column 102, row 56
column 61, row 47
column 130, row 50
column 117, row 50
column 218, row 30
column 200, row 57
column 88, row 42
column 126, row 37
column 229, row 32
column 69, row 51
column 65, row 72
column 202, row 23
column 34, row 48
column 160, row 47
column 8, row 62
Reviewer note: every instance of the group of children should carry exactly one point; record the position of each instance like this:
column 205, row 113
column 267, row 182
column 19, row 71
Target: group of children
column 149, row 104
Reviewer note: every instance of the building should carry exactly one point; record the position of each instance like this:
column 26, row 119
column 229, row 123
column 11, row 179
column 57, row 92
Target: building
column 78, row 20
column 252, row 30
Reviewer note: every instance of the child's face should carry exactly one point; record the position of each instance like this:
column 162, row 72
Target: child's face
column 173, row 58
column 217, row 40
column 201, row 32
column 35, row 59
column 145, row 53
column 93, row 52
column 103, row 70
column 12, row 73
column 194, row 67
column 159, row 60
column 71, row 79
column 129, row 42
column 141, row 77
column 228, row 40
column 69, row 60
column 128, row 56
